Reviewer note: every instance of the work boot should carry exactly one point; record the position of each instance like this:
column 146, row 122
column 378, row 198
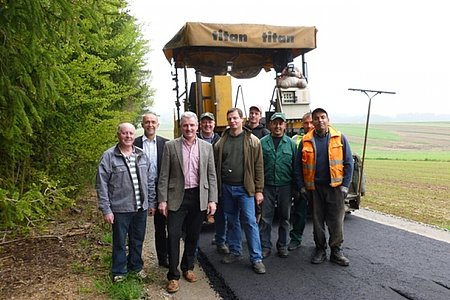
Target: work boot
column 294, row 245
column 231, row 258
column 223, row 249
column 337, row 256
column 283, row 252
column 319, row 256
column 259, row 268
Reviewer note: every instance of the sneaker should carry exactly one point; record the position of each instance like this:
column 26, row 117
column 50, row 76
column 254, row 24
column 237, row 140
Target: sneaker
column 223, row 249
column 319, row 256
column 338, row 257
column 141, row 274
column 265, row 252
column 190, row 276
column 231, row 258
column 259, row 268
column 283, row 252
column 118, row 278
column 172, row 286
column 294, row 245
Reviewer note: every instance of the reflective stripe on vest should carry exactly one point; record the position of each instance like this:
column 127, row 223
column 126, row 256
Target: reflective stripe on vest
column 335, row 158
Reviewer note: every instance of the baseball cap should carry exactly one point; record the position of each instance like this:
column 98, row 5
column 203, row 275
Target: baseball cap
column 278, row 115
column 257, row 107
column 207, row 115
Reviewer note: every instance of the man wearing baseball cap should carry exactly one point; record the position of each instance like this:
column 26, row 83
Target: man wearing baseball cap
column 279, row 153
column 254, row 119
column 206, row 133
column 206, row 130
column 254, row 125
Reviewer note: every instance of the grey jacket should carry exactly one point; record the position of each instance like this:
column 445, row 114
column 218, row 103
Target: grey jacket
column 115, row 190
column 171, row 178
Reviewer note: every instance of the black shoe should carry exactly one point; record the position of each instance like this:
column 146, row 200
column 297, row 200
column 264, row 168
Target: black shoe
column 294, row 245
column 223, row 249
column 283, row 252
column 338, row 257
column 319, row 256
column 163, row 263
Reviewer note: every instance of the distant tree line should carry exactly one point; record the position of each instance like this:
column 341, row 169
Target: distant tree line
column 70, row 72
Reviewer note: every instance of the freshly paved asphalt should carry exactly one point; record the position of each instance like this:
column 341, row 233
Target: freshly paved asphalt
column 385, row 263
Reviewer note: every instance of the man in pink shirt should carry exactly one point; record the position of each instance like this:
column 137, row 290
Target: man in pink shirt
column 187, row 190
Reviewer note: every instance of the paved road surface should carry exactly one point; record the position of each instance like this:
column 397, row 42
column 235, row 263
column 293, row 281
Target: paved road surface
column 385, row 263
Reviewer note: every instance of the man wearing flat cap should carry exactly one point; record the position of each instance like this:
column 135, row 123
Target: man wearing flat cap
column 279, row 153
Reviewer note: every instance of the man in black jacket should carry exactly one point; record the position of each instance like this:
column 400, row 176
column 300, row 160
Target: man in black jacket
column 153, row 146
column 255, row 115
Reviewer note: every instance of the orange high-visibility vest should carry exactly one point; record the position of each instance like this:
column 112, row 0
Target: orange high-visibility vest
column 335, row 157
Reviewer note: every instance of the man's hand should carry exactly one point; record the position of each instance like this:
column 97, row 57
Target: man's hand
column 259, row 197
column 109, row 218
column 211, row 210
column 163, row 208
column 344, row 191
column 151, row 211
column 303, row 190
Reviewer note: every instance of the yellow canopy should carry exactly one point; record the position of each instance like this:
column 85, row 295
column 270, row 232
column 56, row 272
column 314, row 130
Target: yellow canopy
column 209, row 47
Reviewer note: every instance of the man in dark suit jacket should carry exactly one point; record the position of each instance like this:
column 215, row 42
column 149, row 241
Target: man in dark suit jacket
column 153, row 146
column 187, row 190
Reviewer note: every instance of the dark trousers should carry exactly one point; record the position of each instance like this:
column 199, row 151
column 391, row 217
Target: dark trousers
column 161, row 241
column 329, row 209
column 298, row 216
column 190, row 215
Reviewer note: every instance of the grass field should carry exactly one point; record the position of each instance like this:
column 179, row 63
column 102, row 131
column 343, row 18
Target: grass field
column 407, row 168
column 401, row 141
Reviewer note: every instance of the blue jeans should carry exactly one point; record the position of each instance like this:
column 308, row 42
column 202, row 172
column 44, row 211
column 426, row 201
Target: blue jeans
column 133, row 226
column 220, row 225
column 276, row 198
column 238, row 204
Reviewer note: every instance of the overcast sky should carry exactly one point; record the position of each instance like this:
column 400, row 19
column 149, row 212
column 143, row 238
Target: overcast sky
column 385, row 45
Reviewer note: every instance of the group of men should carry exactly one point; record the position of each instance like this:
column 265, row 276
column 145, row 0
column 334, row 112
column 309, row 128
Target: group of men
column 242, row 178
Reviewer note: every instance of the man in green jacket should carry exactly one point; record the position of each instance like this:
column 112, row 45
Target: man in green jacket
column 279, row 153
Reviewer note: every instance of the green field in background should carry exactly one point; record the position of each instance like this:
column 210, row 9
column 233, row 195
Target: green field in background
column 400, row 141
column 415, row 190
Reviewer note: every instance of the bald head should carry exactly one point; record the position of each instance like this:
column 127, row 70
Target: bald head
column 125, row 134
